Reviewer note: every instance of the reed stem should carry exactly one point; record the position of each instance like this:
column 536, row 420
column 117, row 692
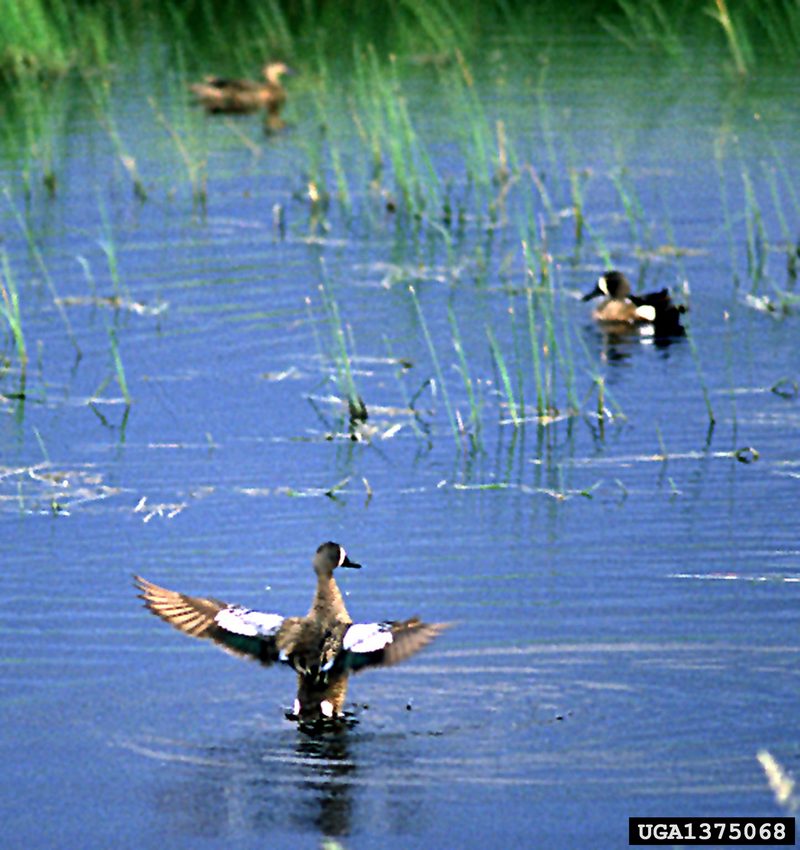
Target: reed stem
column 436, row 367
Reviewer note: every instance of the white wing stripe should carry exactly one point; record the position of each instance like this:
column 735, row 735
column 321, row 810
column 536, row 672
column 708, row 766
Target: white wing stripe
column 367, row 637
column 243, row 621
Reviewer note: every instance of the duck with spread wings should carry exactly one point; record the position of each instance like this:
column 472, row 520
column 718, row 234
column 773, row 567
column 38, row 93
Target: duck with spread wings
column 323, row 648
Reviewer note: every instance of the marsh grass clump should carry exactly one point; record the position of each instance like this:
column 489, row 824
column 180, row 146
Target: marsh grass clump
column 44, row 38
column 760, row 225
column 756, row 235
column 100, row 96
column 38, row 38
column 530, row 352
column 552, row 355
column 476, row 134
column 325, row 154
column 27, row 232
column 338, row 350
column 190, row 147
column 736, row 36
column 34, row 125
column 393, row 146
column 647, row 24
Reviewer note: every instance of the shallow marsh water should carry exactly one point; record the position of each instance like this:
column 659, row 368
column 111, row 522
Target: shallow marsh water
column 625, row 597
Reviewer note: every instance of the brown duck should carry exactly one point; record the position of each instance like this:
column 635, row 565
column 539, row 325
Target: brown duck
column 621, row 307
column 219, row 94
column 323, row 647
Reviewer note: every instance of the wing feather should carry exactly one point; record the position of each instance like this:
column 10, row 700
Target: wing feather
column 238, row 630
column 384, row 644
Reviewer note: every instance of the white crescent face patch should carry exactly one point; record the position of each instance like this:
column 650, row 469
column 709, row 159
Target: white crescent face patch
column 243, row 621
column 367, row 637
column 602, row 285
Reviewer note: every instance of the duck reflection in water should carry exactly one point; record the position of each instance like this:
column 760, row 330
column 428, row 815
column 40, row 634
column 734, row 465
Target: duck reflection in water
column 328, row 785
column 617, row 345
column 244, row 787
column 332, row 784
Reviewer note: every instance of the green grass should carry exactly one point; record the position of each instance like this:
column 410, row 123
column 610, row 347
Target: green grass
column 366, row 135
column 119, row 369
column 474, row 422
column 41, row 38
column 720, row 146
column 391, row 141
column 756, row 237
column 736, row 36
column 340, row 349
column 640, row 233
column 441, row 383
column 189, row 146
column 649, row 24
column 508, row 390
column 27, row 232
column 10, row 309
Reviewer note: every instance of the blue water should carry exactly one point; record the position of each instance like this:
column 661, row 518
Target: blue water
column 624, row 598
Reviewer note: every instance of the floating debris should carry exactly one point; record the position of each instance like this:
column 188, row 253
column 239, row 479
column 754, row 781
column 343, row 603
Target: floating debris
column 669, row 250
column 169, row 510
column 292, row 373
column 778, row 307
column 747, row 454
column 785, row 388
column 780, row 579
column 391, row 431
column 113, row 302
column 42, row 488
column 164, row 510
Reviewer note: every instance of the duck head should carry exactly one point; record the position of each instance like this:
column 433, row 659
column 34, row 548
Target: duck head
column 273, row 71
column 329, row 557
column 611, row 284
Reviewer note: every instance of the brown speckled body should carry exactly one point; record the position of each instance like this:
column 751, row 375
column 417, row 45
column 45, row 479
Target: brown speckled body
column 617, row 310
column 220, row 95
column 311, row 694
column 314, row 641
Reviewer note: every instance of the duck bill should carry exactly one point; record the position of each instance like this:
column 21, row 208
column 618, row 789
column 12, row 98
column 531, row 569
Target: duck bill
column 348, row 563
column 593, row 294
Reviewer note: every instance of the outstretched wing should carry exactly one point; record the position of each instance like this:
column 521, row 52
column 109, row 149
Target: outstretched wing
column 382, row 644
column 239, row 630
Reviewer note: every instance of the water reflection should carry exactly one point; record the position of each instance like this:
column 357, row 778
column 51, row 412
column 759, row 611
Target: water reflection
column 327, row 770
column 258, row 784
column 616, row 343
column 288, row 782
